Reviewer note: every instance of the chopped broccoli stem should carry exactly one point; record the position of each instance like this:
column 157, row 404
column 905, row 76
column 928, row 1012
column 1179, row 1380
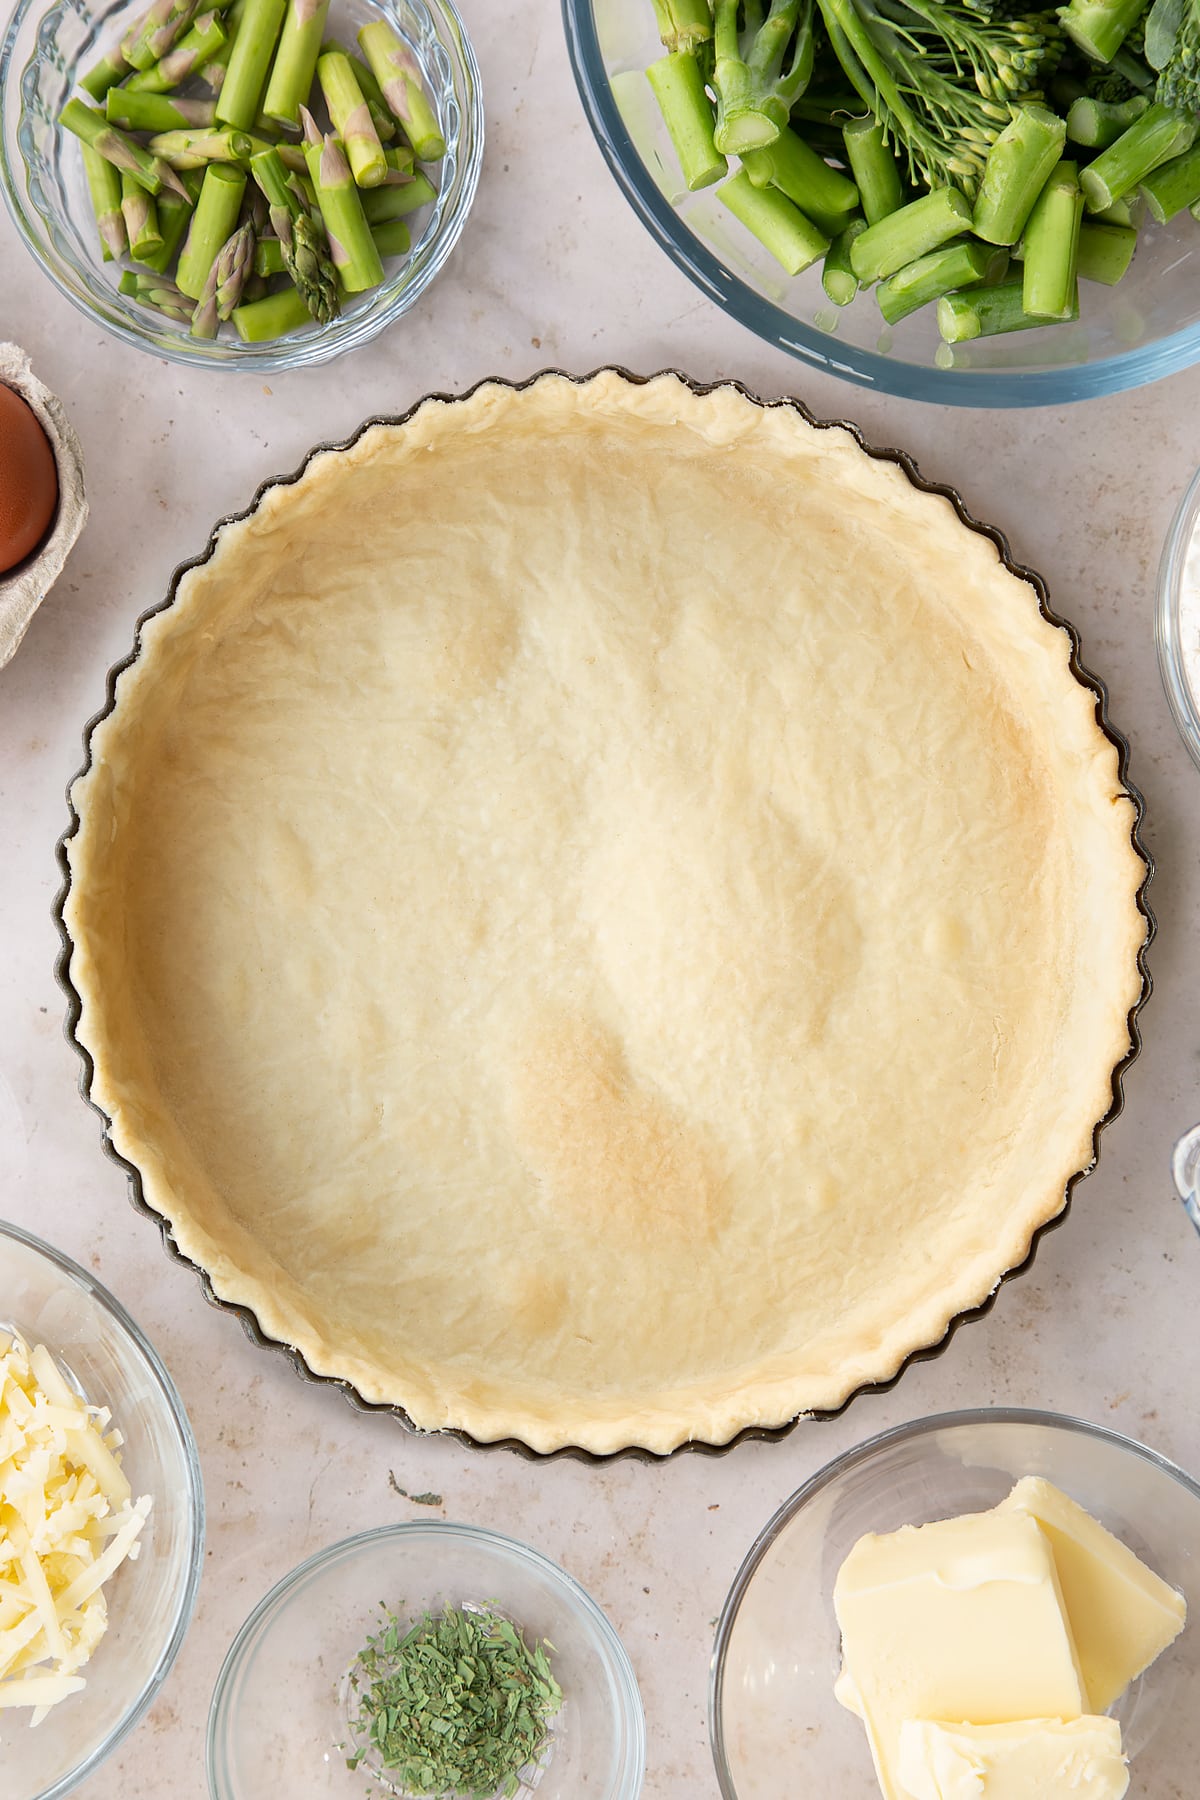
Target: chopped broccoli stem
column 984, row 312
column 688, row 115
column 941, row 272
column 1173, row 186
column 753, row 88
column 797, row 171
column 1051, row 240
column 683, row 24
column 875, row 169
column 1098, row 123
column 794, row 241
column 1160, row 134
column 837, row 276
column 911, row 232
column 1100, row 27
column 1105, row 252
column 1017, row 167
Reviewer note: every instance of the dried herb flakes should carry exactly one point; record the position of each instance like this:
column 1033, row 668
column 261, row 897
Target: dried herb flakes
column 456, row 1704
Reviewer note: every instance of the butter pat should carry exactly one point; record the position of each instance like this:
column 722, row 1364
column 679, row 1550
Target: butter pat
column 960, row 1619
column 1046, row 1758
column 1122, row 1615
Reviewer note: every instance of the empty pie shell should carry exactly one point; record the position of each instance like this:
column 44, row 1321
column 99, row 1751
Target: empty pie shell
column 604, row 913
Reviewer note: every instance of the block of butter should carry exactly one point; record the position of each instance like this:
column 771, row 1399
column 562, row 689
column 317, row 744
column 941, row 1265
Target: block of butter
column 1035, row 1759
column 960, row 1620
column 1122, row 1614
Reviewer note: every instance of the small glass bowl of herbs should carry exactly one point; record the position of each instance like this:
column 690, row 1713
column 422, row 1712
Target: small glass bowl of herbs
column 426, row 1659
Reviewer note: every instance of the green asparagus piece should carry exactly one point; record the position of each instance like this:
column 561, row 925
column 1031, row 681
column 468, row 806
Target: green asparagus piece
column 399, row 160
column 104, row 75
column 384, row 122
column 155, row 112
column 793, row 240
column 1173, row 186
column 1098, row 123
column 399, row 76
column 199, row 44
column 837, row 276
column 295, row 60
column 941, row 272
column 104, row 186
column 1017, row 168
column 213, row 223
column 141, row 219
column 124, row 152
column 875, row 169
column 1105, row 252
column 396, row 201
column 302, row 245
column 174, row 216
column 392, row 238
column 351, row 119
column 163, row 295
column 262, row 320
column 268, row 257
column 687, row 112
column 249, row 60
column 1051, row 243
column 823, row 194
column 196, row 149
column 224, row 282
column 1155, row 138
column 910, row 232
column 157, row 31
column 354, row 254
column 985, row 312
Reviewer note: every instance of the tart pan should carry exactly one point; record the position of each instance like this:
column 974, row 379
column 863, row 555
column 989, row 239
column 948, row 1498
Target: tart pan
column 247, row 1316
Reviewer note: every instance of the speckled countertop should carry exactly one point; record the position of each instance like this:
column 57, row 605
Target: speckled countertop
column 555, row 270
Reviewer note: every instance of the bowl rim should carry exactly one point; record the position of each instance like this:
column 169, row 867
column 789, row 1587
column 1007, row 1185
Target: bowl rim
column 1091, row 682
column 927, row 1425
column 309, row 349
column 1184, row 704
column 866, row 368
column 185, row 1603
column 625, row 1682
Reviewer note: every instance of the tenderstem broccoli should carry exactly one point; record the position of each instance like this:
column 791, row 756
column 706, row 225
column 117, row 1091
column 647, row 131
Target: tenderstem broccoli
column 760, row 71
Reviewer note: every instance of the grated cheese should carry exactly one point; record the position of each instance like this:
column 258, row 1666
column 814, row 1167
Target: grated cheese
column 68, row 1519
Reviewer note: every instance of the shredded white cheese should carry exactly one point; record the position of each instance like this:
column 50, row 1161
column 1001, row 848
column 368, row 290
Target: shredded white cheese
column 67, row 1521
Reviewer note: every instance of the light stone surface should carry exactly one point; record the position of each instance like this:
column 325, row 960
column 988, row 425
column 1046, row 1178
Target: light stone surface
column 555, row 269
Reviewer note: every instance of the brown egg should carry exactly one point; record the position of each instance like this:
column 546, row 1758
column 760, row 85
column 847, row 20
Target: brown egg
column 28, row 480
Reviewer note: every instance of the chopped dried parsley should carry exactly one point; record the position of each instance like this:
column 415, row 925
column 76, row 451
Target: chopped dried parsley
column 456, row 1704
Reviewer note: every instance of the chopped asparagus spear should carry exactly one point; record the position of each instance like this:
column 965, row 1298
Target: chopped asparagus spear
column 399, row 76
column 262, row 320
column 200, row 43
column 351, row 118
column 354, row 254
column 295, row 61
column 195, row 149
column 268, row 257
column 793, row 240
column 105, row 74
column 212, row 224
column 224, row 282
column 157, row 32
column 910, row 232
column 141, row 219
column 688, row 116
column 392, row 238
column 104, row 186
column 174, row 215
column 302, row 244
column 398, row 200
column 124, row 152
column 683, row 24
column 249, row 60
column 139, row 111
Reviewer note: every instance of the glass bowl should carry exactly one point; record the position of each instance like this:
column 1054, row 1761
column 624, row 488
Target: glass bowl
column 52, row 1301
column 1145, row 327
column 279, row 1722
column 1177, row 617
column 44, row 51
column 776, row 1728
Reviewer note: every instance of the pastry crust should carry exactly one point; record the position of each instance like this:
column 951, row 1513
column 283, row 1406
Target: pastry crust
column 603, row 915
